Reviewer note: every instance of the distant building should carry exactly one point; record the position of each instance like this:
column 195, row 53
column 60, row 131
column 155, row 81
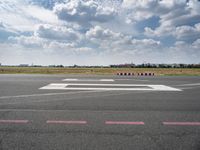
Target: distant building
column 23, row 65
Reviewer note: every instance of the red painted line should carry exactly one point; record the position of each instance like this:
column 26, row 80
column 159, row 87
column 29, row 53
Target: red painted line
column 14, row 121
column 65, row 122
column 123, row 123
column 182, row 123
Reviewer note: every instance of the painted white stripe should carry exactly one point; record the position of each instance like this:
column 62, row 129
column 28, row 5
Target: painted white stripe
column 66, row 122
column 131, row 80
column 14, row 121
column 70, row 80
column 119, row 87
column 124, row 123
column 182, row 123
column 107, row 80
column 91, row 80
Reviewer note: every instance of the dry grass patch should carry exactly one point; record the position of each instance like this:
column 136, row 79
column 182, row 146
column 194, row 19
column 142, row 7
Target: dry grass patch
column 98, row 71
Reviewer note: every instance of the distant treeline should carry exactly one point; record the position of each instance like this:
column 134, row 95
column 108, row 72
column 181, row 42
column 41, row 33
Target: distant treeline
column 148, row 65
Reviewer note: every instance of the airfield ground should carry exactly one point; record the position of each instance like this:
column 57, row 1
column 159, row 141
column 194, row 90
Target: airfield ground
column 98, row 71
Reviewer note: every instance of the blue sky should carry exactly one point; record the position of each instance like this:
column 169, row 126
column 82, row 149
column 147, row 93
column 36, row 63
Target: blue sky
column 99, row 32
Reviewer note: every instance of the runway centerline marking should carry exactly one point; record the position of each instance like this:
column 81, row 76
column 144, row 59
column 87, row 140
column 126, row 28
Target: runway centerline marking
column 124, row 123
column 108, row 87
column 182, row 123
column 66, row 122
column 14, row 121
column 131, row 80
column 91, row 80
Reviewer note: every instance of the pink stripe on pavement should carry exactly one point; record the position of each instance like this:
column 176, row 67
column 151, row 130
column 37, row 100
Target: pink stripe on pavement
column 65, row 122
column 123, row 123
column 182, row 123
column 14, row 121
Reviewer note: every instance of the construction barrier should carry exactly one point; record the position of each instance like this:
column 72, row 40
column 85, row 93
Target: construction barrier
column 135, row 74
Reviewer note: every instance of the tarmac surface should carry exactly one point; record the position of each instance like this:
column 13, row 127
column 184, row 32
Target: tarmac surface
column 80, row 112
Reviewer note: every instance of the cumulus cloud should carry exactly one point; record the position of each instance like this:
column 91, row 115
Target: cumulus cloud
column 178, row 18
column 59, row 33
column 196, row 44
column 99, row 33
column 188, row 32
column 83, row 12
column 49, row 4
column 114, row 41
column 22, row 17
column 185, row 32
column 28, row 41
column 171, row 12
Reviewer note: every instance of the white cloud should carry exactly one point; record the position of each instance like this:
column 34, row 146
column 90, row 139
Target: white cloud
column 196, row 44
column 22, row 17
column 113, row 41
column 57, row 33
column 99, row 33
column 185, row 32
column 188, row 32
column 83, row 12
column 31, row 42
column 184, row 51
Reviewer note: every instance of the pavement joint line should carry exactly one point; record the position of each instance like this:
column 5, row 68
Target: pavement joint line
column 182, row 123
column 45, row 94
column 66, row 122
column 65, row 110
column 103, row 91
column 15, row 121
column 124, row 123
column 190, row 84
column 187, row 88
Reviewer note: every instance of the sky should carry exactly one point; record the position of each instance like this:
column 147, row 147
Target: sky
column 99, row 32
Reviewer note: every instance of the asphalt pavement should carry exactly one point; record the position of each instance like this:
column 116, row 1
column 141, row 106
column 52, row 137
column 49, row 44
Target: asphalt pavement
column 90, row 112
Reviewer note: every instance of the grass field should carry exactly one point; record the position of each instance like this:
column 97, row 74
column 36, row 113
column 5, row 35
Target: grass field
column 98, row 71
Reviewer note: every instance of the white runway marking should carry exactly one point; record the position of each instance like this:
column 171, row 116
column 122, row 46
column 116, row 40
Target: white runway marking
column 182, row 123
column 66, row 122
column 124, row 123
column 107, row 80
column 14, row 121
column 130, row 80
column 70, row 80
column 109, row 87
column 91, row 80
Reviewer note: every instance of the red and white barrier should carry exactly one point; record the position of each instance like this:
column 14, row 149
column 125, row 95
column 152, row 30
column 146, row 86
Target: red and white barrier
column 125, row 74
column 135, row 74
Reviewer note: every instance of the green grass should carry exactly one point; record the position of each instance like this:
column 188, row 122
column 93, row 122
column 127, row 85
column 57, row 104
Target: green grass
column 98, row 71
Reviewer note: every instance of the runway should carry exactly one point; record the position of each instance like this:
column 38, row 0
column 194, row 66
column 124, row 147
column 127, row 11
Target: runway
column 91, row 112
